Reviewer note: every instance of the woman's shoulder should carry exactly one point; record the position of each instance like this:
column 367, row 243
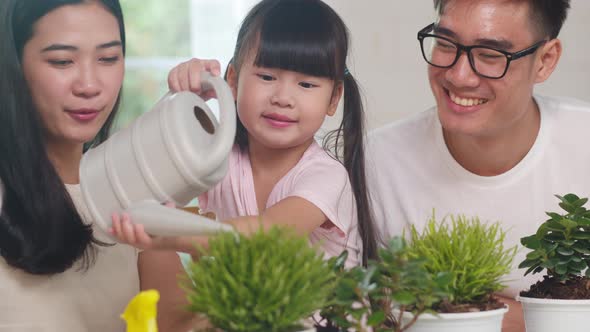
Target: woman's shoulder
column 75, row 192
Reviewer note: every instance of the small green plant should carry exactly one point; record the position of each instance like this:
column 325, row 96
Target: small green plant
column 383, row 291
column 266, row 282
column 472, row 253
column 562, row 243
column 354, row 286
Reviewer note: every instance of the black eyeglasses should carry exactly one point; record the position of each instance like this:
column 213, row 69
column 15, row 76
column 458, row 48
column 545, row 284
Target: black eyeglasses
column 486, row 61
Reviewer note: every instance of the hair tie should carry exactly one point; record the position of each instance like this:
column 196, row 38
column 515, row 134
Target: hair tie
column 346, row 72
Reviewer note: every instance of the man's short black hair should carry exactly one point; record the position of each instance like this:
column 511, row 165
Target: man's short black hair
column 549, row 15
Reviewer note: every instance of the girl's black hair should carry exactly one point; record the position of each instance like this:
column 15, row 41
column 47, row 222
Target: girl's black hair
column 307, row 36
column 41, row 231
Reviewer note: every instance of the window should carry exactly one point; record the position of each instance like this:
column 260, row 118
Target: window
column 161, row 34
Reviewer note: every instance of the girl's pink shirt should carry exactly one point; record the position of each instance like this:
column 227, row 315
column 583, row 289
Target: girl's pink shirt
column 316, row 178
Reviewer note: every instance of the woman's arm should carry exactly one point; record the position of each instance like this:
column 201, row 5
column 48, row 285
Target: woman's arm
column 160, row 270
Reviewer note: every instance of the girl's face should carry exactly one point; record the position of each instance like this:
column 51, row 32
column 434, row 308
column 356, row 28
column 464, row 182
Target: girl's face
column 74, row 67
column 281, row 108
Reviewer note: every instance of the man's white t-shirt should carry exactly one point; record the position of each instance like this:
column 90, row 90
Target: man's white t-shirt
column 411, row 172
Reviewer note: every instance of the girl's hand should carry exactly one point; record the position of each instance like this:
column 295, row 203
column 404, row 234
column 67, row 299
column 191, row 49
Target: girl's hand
column 132, row 234
column 187, row 76
column 135, row 235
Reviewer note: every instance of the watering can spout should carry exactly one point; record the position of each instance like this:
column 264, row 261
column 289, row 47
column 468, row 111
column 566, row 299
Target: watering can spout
column 166, row 221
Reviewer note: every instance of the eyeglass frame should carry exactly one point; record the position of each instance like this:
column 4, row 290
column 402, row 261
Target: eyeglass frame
column 510, row 56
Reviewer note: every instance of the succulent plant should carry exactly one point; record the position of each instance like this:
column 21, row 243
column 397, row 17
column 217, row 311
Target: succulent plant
column 269, row 281
column 367, row 297
column 561, row 244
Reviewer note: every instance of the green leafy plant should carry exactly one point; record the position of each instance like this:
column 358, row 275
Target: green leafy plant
column 367, row 297
column 268, row 281
column 354, row 286
column 472, row 252
column 457, row 264
column 562, row 243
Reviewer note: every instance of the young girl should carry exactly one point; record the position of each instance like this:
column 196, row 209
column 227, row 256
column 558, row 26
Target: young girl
column 287, row 74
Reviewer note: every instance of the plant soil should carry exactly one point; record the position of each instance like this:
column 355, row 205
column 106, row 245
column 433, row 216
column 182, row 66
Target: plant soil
column 576, row 288
column 490, row 303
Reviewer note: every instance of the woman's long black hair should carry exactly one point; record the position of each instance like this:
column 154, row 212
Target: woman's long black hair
column 40, row 230
column 307, row 36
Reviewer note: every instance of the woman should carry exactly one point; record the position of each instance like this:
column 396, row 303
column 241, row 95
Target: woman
column 62, row 64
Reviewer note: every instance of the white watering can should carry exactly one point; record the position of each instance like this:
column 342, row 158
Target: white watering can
column 172, row 153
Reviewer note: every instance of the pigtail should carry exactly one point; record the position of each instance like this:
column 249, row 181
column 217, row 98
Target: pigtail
column 347, row 145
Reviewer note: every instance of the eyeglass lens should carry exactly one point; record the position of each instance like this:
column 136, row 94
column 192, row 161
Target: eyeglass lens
column 485, row 61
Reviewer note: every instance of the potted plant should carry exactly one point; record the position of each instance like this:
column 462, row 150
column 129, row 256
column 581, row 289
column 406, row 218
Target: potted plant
column 474, row 255
column 365, row 299
column 443, row 280
column 266, row 282
column 561, row 247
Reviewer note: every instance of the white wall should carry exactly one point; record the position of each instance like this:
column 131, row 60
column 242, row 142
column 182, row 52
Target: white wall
column 386, row 55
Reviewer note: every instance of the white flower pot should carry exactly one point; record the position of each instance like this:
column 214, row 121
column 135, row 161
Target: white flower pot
column 549, row 315
column 482, row 321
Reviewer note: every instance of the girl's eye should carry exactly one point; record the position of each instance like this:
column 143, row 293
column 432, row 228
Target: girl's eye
column 307, row 85
column 265, row 77
column 60, row 63
column 111, row 59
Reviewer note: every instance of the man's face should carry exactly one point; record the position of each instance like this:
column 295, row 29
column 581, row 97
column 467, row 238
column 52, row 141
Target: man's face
column 469, row 104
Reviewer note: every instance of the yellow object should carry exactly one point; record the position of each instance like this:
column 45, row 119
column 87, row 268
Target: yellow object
column 141, row 312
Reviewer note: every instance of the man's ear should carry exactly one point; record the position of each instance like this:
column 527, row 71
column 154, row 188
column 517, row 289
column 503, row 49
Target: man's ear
column 336, row 96
column 548, row 58
column 232, row 79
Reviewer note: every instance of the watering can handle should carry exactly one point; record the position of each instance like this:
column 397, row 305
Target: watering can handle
column 153, row 216
column 224, row 137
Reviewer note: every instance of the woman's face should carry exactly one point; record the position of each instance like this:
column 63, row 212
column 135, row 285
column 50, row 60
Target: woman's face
column 74, row 67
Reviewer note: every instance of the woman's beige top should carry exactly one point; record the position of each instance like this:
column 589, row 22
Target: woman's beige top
column 73, row 301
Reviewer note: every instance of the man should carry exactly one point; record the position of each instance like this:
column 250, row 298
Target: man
column 490, row 148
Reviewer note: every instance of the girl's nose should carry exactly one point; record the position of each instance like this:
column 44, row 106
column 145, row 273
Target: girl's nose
column 282, row 98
